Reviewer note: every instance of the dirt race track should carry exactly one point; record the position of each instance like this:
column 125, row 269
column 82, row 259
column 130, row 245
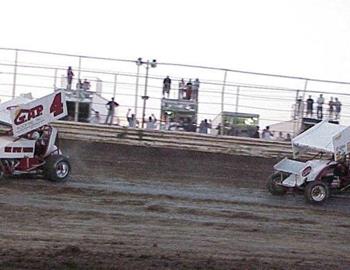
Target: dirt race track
column 139, row 208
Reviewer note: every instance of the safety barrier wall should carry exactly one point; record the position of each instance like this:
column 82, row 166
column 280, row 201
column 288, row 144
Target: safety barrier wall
column 178, row 140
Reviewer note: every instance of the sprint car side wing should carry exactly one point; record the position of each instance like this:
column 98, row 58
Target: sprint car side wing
column 289, row 166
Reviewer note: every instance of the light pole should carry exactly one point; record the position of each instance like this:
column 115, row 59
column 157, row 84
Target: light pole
column 138, row 63
column 149, row 64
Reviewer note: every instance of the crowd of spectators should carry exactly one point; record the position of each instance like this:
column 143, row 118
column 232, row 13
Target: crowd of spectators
column 187, row 90
column 333, row 110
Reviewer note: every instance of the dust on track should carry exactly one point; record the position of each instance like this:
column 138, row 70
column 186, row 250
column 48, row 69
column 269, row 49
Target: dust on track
column 166, row 209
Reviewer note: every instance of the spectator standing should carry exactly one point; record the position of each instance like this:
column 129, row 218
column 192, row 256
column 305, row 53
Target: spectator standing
column 166, row 86
column 337, row 105
column 86, row 85
column 189, row 90
column 267, row 134
column 111, row 105
column 195, row 89
column 79, row 85
column 331, row 108
column 204, row 126
column 256, row 134
column 131, row 119
column 181, row 88
column 70, row 76
column 152, row 122
column 280, row 136
column 299, row 109
column 320, row 102
column 309, row 106
column 289, row 138
column 96, row 118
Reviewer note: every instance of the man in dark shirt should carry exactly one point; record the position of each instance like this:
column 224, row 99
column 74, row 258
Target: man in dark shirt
column 166, row 86
column 111, row 105
column 309, row 106
column 256, row 133
column 189, row 89
column 70, row 76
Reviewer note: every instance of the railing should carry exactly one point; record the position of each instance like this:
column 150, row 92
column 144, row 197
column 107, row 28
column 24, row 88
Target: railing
column 221, row 89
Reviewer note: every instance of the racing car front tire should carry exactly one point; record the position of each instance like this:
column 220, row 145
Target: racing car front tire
column 57, row 168
column 316, row 192
column 274, row 184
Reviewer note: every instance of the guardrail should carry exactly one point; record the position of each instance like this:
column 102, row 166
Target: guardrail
column 175, row 140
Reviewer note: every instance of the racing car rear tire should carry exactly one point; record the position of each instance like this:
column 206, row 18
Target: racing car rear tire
column 273, row 184
column 57, row 168
column 316, row 192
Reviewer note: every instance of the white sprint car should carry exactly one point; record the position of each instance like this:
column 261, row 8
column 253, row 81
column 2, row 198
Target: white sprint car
column 319, row 177
column 28, row 144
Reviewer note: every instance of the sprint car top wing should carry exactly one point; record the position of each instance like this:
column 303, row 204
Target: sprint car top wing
column 325, row 137
column 37, row 113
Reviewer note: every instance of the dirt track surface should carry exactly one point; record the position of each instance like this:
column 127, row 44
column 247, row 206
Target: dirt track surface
column 166, row 209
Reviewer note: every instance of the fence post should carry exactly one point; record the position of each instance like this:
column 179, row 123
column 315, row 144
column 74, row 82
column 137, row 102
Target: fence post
column 237, row 98
column 55, row 79
column 137, row 89
column 115, row 84
column 222, row 104
column 76, row 113
column 15, row 75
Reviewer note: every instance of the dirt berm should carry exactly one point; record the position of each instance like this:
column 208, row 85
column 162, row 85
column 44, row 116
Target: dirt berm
column 135, row 162
column 128, row 207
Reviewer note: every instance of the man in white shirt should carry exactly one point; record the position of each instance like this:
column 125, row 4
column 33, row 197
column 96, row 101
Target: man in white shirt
column 320, row 102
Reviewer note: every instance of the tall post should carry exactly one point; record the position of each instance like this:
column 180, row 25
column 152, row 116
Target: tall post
column 304, row 92
column 55, row 79
column 15, row 75
column 137, row 89
column 115, row 84
column 296, row 105
column 237, row 98
column 145, row 97
column 77, row 91
column 222, row 104
column 79, row 67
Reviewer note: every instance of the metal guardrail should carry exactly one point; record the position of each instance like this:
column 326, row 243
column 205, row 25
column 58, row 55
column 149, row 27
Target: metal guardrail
column 175, row 140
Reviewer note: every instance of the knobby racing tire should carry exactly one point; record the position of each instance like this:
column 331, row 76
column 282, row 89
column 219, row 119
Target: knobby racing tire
column 274, row 184
column 57, row 168
column 316, row 192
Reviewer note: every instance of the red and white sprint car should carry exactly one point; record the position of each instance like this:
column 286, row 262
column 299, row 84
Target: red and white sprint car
column 28, row 144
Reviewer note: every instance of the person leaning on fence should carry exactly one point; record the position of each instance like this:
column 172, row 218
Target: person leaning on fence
column 309, row 106
column 267, row 134
column 320, row 102
column 166, row 86
column 70, row 76
column 337, row 105
column 111, row 105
